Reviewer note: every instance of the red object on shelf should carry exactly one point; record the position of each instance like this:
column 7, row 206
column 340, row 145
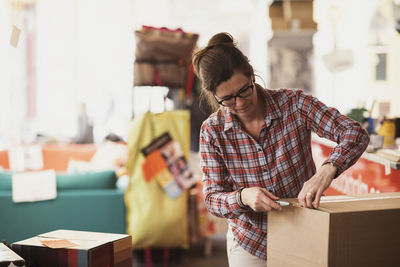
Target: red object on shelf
column 364, row 177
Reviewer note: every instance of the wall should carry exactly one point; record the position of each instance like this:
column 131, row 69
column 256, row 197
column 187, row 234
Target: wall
column 83, row 53
column 354, row 86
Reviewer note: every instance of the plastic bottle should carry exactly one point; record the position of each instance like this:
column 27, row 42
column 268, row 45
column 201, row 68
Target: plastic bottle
column 388, row 130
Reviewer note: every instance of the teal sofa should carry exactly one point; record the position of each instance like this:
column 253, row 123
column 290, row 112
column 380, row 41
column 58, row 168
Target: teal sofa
column 85, row 201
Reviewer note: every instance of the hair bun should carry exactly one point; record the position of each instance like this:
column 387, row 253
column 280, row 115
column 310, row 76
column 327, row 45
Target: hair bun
column 222, row 38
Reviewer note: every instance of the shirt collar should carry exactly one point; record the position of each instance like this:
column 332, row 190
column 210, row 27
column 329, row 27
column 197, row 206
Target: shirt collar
column 272, row 112
column 230, row 120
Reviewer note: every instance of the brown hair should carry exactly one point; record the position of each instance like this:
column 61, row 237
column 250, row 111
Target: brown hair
column 216, row 63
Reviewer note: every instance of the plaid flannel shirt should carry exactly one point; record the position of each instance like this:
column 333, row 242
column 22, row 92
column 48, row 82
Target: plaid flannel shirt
column 281, row 160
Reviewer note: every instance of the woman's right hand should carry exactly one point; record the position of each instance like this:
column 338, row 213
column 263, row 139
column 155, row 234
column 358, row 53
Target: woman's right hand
column 259, row 199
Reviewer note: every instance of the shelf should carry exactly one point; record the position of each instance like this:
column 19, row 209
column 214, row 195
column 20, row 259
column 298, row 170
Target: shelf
column 366, row 155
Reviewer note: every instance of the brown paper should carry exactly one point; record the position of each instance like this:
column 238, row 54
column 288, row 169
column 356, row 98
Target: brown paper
column 63, row 243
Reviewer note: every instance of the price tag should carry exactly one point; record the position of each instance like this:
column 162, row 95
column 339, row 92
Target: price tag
column 388, row 169
column 16, row 32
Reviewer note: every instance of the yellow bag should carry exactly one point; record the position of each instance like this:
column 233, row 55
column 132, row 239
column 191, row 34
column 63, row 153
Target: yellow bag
column 153, row 218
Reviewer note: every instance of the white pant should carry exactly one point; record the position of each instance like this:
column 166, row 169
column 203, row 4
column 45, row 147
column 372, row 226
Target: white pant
column 238, row 257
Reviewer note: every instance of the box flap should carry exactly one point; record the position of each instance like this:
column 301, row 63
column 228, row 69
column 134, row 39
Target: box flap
column 353, row 203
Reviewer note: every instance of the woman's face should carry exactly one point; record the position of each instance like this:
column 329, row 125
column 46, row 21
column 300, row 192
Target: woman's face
column 238, row 94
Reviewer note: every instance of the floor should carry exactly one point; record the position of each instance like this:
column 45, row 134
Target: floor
column 195, row 256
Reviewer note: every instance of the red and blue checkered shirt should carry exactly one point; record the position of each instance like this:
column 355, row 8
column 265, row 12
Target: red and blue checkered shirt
column 281, row 161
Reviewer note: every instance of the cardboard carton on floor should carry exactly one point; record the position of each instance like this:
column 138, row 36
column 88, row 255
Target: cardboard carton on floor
column 9, row 258
column 345, row 231
column 76, row 249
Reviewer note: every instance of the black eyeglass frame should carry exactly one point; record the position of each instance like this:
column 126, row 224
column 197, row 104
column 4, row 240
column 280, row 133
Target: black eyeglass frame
column 220, row 102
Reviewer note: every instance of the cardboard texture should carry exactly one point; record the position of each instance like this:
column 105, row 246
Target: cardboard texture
column 92, row 250
column 345, row 231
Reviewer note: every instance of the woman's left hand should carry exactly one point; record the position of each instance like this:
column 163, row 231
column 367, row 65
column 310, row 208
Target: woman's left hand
column 313, row 189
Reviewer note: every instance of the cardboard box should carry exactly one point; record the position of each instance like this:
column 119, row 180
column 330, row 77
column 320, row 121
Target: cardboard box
column 283, row 16
column 9, row 258
column 91, row 250
column 345, row 231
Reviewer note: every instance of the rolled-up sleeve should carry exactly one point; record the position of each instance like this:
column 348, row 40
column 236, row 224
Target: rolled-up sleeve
column 219, row 197
column 328, row 122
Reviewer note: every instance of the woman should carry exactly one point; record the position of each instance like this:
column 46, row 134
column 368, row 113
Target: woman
column 256, row 147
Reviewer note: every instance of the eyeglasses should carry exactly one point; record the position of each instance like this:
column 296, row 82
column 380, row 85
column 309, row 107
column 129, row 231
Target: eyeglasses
column 231, row 99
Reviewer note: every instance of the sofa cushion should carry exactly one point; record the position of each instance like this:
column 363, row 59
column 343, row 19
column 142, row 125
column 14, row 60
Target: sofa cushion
column 72, row 181
column 5, row 180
